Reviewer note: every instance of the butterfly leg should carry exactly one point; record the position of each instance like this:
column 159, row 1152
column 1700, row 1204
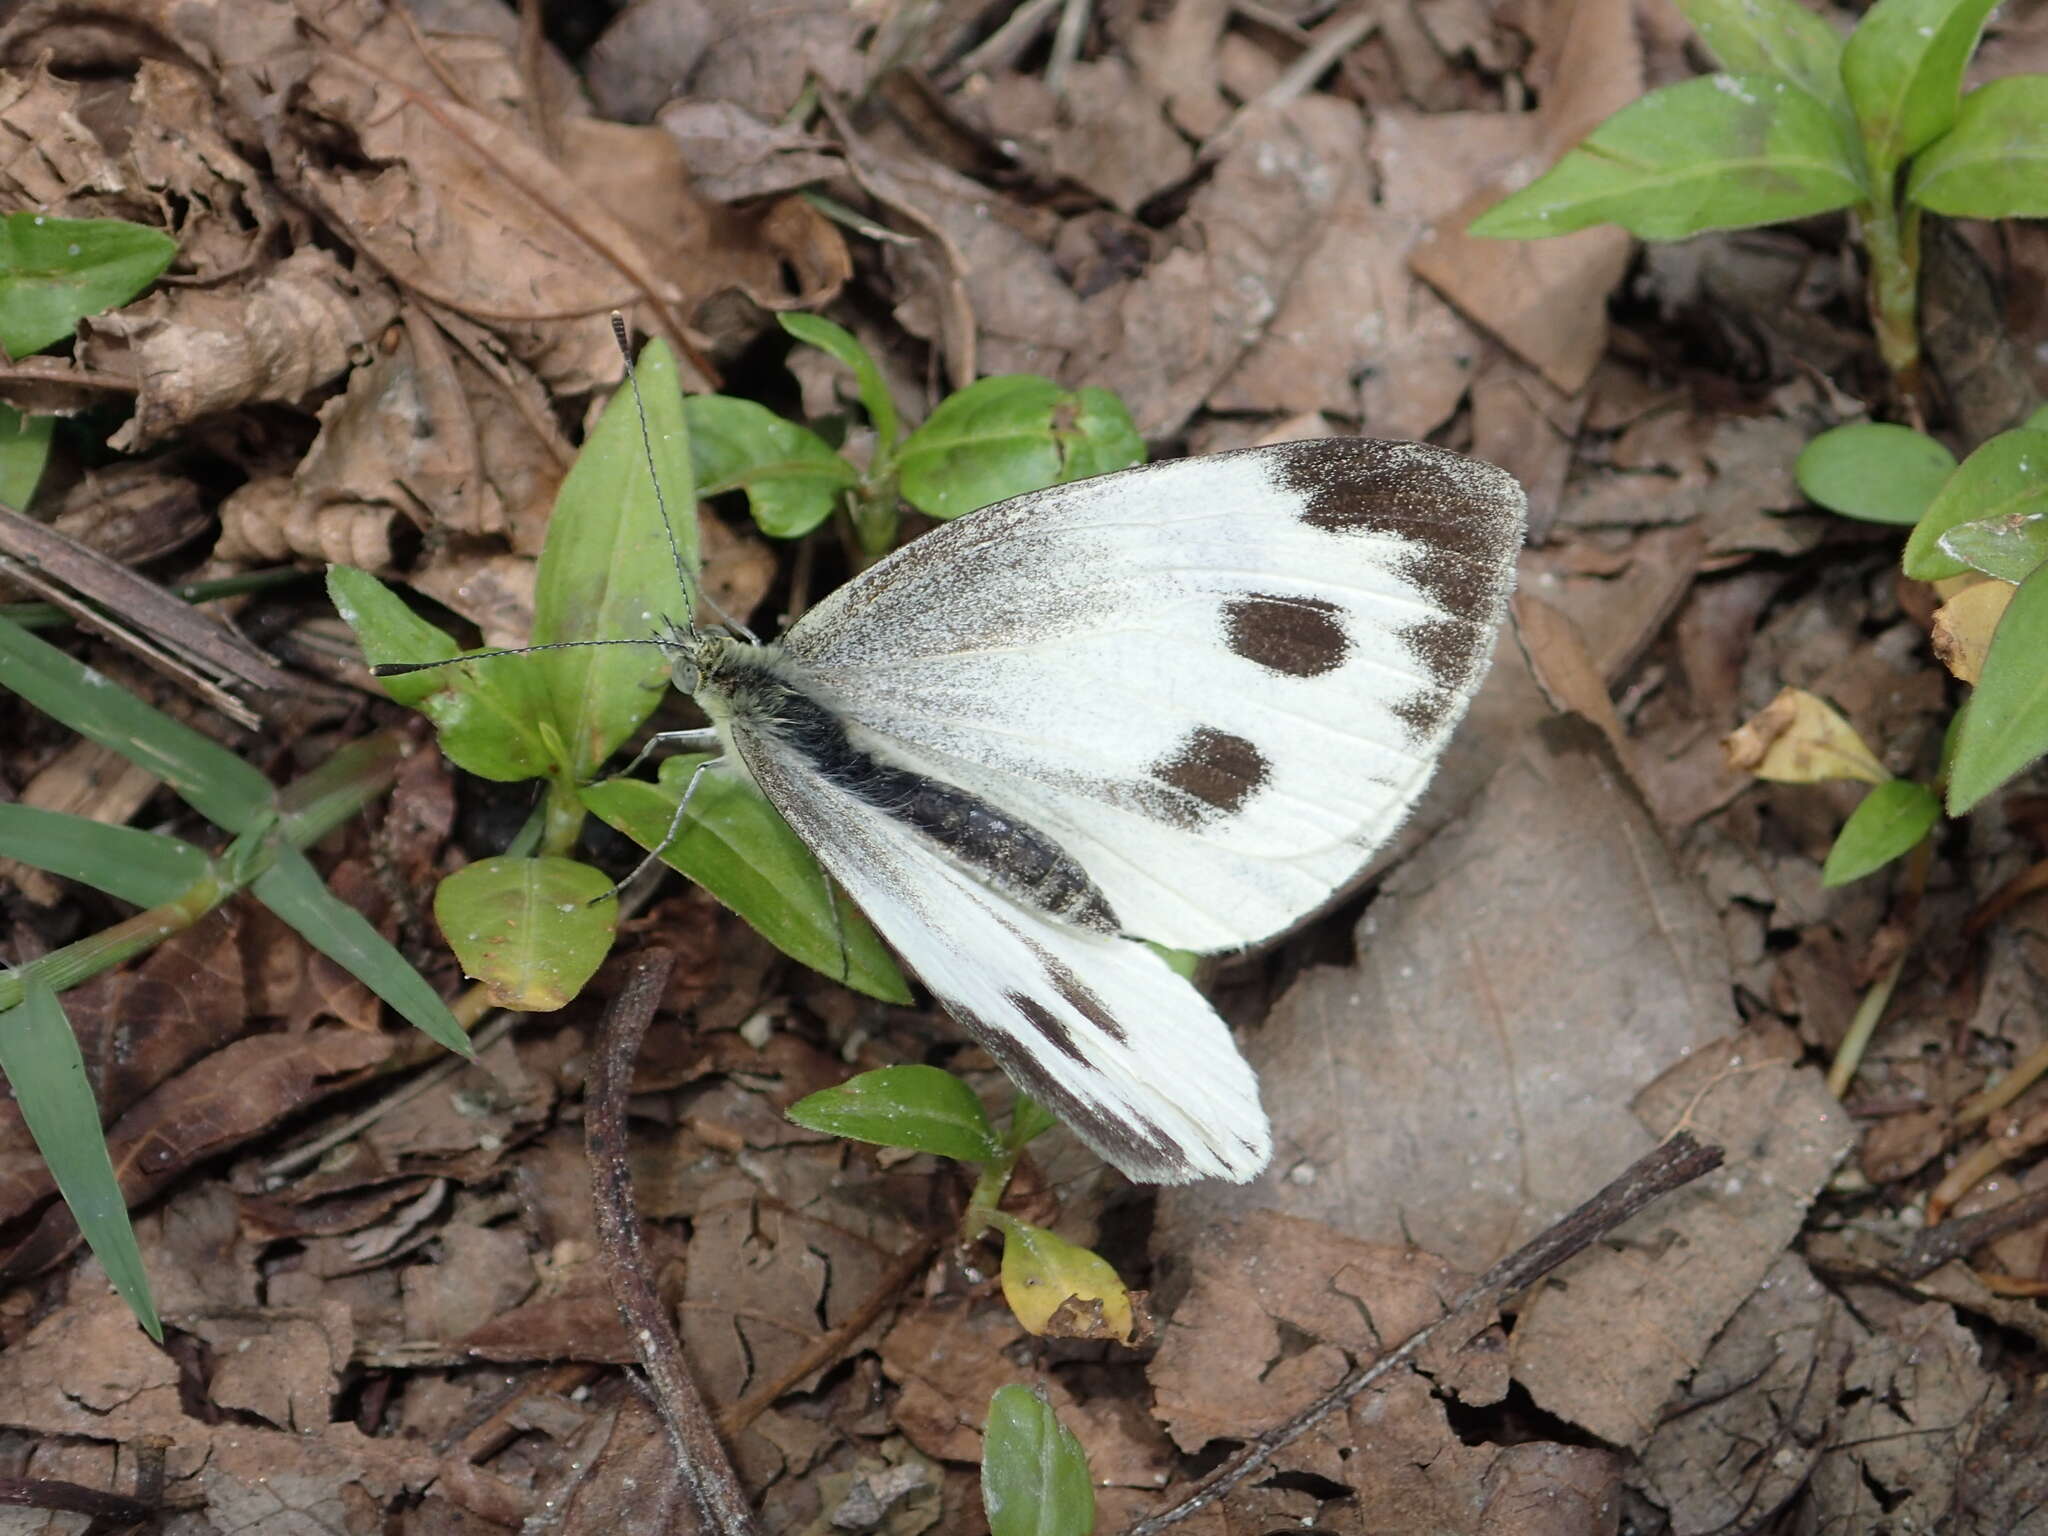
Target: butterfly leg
column 675, row 824
column 704, row 739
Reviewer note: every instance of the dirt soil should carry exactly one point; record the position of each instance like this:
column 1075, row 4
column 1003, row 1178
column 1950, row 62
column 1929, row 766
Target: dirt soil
column 401, row 230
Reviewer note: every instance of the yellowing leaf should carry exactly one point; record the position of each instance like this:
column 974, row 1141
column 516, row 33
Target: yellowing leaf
column 1798, row 738
column 1042, row 1273
column 1964, row 625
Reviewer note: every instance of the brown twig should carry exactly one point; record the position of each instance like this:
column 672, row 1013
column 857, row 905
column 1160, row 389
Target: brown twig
column 705, row 1469
column 1955, row 1239
column 1673, row 1165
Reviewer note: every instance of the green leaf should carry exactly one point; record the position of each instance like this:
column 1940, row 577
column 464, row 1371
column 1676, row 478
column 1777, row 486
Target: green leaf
column 1720, row 152
column 24, row 450
column 922, row 1108
column 837, row 342
column 2037, row 421
column 735, row 845
column 2006, row 477
column 1772, row 37
column 1889, row 821
column 40, row 1057
column 1042, row 1270
column 2006, row 727
column 1034, row 1477
column 488, row 713
column 54, row 272
column 293, row 889
column 142, row 867
column 533, row 931
column 1874, row 471
column 1993, row 164
column 791, row 476
column 219, row 785
column 1903, row 66
column 2011, row 548
column 1029, row 1120
column 607, row 571
column 1004, row 436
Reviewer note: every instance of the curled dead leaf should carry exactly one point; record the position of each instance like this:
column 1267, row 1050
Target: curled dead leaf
column 267, row 521
column 192, row 352
column 1798, row 738
column 1964, row 625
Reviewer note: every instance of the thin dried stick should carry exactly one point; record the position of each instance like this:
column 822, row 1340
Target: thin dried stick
column 1674, row 1164
column 701, row 1460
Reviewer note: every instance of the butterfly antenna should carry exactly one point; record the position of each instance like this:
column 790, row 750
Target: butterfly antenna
column 401, row 668
column 692, row 594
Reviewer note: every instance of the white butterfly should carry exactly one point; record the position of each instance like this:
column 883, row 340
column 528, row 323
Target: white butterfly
column 1182, row 702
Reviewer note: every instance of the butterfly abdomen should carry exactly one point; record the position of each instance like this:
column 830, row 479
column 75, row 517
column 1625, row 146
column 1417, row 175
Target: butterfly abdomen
column 997, row 846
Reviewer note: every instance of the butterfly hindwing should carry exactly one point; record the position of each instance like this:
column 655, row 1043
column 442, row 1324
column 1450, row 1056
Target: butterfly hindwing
column 1217, row 683
column 1095, row 1027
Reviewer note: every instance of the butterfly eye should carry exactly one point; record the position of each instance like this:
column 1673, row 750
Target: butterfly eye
column 685, row 674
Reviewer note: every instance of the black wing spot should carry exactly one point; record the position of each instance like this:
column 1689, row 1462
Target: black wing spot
column 1215, row 769
column 1296, row 636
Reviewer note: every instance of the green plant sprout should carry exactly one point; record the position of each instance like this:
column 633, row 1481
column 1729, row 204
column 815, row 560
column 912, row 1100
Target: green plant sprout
column 177, row 884
column 1805, row 122
column 1034, row 1476
column 535, row 922
column 927, row 1109
column 1984, row 520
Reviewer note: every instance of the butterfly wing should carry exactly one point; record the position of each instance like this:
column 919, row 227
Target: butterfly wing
column 1218, row 683
column 1095, row 1027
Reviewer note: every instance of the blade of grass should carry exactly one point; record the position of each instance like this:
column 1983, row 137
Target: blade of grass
column 40, row 1056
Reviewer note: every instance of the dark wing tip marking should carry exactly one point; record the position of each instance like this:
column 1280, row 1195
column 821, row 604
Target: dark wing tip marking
column 1460, row 520
column 1463, row 516
column 1055, row 1033
column 1125, row 1138
column 1213, row 772
column 1296, row 636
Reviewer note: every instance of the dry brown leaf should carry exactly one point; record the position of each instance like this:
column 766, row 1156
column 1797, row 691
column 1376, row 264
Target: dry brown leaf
column 950, row 1355
column 1519, row 979
column 1357, row 335
column 1753, row 1421
column 735, row 156
column 477, row 1273
column 1278, row 1310
column 196, row 351
column 1920, row 1398
column 646, row 55
column 1608, row 1338
column 1164, row 340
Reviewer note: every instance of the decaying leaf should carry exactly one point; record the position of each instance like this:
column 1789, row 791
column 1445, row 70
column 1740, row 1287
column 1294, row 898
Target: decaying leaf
column 1798, row 738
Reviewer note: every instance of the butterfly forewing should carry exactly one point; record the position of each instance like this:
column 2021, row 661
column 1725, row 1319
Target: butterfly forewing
column 1217, row 683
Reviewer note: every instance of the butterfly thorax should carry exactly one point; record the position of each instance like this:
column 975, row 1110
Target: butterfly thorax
column 758, row 697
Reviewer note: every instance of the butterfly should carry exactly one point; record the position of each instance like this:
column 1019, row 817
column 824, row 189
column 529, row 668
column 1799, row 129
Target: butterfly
column 1180, row 703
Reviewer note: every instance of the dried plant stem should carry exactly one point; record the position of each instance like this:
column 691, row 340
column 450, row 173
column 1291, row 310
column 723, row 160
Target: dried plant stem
column 705, row 1469
column 1849, row 1055
column 1674, row 1164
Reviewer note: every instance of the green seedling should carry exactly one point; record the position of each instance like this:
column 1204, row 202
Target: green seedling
column 1034, row 1475
column 1802, row 122
column 176, row 883
column 534, row 923
column 924, row 1109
